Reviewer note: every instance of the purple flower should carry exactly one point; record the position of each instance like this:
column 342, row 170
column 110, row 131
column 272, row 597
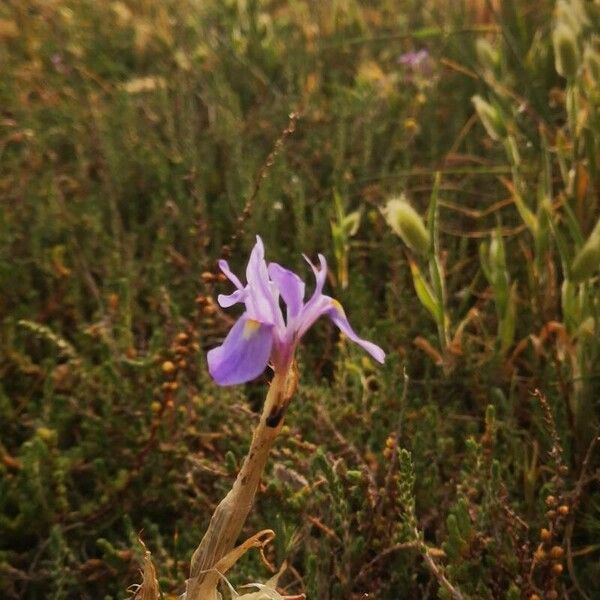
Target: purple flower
column 418, row 66
column 262, row 334
column 414, row 59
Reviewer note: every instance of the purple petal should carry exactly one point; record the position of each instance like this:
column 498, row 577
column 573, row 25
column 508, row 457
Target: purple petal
column 325, row 305
column 314, row 308
column 227, row 300
column 224, row 266
column 244, row 354
column 336, row 312
column 310, row 312
column 263, row 299
column 414, row 59
column 320, row 275
column 291, row 288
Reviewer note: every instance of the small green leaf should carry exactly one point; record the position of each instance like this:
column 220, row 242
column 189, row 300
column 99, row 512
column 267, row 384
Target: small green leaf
column 526, row 215
column 351, row 223
column 425, row 294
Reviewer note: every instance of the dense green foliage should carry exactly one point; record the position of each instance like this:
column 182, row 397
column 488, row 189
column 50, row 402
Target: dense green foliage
column 133, row 137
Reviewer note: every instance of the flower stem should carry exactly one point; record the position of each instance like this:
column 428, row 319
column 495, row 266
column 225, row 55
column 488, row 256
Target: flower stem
column 231, row 513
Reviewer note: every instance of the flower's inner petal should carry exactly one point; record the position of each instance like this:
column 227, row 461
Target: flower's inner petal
column 314, row 308
column 291, row 288
column 224, row 266
column 336, row 312
column 320, row 304
column 263, row 298
column 244, row 354
column 311, row 311
column 320, row 275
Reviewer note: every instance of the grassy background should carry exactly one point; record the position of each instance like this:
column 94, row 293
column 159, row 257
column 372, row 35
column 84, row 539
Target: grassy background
column 132, row 137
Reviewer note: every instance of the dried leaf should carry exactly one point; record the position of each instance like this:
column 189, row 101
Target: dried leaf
column 207, row 588
column 149, row 589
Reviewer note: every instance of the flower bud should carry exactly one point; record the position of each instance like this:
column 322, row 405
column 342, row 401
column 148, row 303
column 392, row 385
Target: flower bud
column 168, row 368
column 539, row 555
column 490, row 117
column 407, row 223
column 182, row 338
column 566, row 51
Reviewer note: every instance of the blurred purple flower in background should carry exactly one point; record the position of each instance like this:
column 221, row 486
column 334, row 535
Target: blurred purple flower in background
column 262, row 334
column 414, row 59
column 58, row 63
column 417, row 62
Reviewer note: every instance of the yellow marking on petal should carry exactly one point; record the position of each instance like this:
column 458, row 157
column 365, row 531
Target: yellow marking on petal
column 250, row 328
column 338, row 307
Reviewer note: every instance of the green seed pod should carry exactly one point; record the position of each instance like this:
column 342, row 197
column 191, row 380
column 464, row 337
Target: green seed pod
column 497, row 257
column 491, row 118
column 587, row 260
column 407, row 223
column 566, row 51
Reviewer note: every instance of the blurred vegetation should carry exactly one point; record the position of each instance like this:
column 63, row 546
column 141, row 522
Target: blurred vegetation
column 132, row 136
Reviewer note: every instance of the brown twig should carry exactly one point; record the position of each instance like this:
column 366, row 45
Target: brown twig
column 557, row 451
column 577, row 493
column 242, row 219
column 395, row 548
column 436, row 571
column 549, row 554
column 393, row 459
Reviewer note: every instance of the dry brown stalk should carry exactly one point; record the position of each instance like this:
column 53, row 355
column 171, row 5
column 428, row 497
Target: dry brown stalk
column 230, row 515
column 260, row 176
